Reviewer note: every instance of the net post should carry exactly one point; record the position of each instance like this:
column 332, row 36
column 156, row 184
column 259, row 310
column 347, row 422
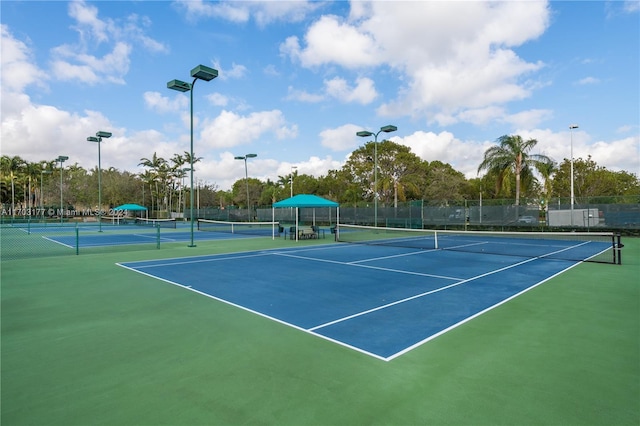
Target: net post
column 435, row 239
column 77, row 240
column 158, row 236
column 617, row 248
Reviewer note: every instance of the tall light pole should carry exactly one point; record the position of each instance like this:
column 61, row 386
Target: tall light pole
column 571, row 127
column 42, row 173
column 364, row 134
column 198, row 73
column 291, row 178
column 246, row 179
column 98, row 138
column 61, row 159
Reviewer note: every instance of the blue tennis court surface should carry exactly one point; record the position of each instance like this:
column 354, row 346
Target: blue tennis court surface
column 381, row 301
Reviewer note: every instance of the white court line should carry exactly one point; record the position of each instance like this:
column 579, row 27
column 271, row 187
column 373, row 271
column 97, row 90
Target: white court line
column 311, row 330
column 433, row 291
column 358, row 265
column 217, row 258
column 373, row 259
column 58, row 242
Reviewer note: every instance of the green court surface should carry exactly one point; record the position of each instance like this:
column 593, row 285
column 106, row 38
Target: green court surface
column 85, row 342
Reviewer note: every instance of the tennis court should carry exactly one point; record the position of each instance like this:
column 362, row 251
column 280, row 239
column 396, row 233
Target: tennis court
column 141, row 231
column 382, row 298
column 85, row 341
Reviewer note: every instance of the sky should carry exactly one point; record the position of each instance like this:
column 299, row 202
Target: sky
column 298, row 79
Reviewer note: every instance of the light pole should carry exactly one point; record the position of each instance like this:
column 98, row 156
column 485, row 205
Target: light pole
column 246, row 179
column 365, row 133
column 571, row 127
column 42, row 173
column 61, row 159
column 198, row 73
column 98, row 138
column 291, row 178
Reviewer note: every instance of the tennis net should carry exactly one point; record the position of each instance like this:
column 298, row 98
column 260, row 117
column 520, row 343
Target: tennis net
column 603, row 247
column 160, row 223
column 249, row 228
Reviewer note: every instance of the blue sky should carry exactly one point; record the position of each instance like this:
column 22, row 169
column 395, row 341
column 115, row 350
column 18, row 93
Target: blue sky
column 298, row 79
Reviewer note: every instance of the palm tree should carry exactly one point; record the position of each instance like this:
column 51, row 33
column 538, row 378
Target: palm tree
column 149, row 178
column 512, row 156
column 547, row 169
column 12, row 167
column 159, row 168
column 32, row 174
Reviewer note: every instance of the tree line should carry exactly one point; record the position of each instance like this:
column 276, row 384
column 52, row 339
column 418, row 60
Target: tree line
column 511, row 171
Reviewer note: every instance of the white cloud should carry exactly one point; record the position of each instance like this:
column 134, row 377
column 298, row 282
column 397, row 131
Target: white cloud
column 331, row 41
column 456, row 55
column 263, row 12
column 463, row 156
column 198, row 8
column 163, row 104
column 303, row 96
column 17, row 65
column 218, row 99
column 528, row 119
column 588, row 80
column 342, row 138
column 67, row 65
column 631, row 6
column 75, row 62
column 230, row 129
column 363, row 93
column 271, row 70
column 87, row 17
column 616, row 155
column 235, row 72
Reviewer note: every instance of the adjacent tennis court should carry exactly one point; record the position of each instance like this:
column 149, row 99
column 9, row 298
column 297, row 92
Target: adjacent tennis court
column 387, row 296
column 143, row 231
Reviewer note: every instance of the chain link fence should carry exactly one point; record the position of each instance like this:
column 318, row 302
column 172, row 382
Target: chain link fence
column 557, row 214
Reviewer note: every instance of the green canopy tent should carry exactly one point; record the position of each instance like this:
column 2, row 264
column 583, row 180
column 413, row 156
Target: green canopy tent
column 130, row 207
column 304, row 201
column 134, row 207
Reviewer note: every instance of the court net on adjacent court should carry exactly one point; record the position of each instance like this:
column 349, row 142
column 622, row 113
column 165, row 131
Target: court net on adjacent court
column 601, row 247
column 249, row 228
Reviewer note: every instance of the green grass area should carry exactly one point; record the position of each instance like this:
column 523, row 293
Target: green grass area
column 87, row 342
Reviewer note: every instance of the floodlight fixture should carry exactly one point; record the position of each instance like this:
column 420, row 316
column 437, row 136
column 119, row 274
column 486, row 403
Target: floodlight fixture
column 571, row 127
column 364, row 134
column 98, row 138
column 204, row 73
column 179, row 85
column 61, row 159
column 291, row 178
column 42, row 173
column 246, row 179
